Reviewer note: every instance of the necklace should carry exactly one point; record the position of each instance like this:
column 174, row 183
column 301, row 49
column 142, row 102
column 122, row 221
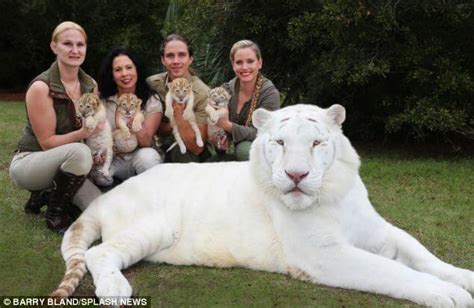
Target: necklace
column 71, row 93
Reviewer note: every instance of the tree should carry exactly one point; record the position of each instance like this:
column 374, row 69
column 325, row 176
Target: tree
column 399, row 67
column 108, row 23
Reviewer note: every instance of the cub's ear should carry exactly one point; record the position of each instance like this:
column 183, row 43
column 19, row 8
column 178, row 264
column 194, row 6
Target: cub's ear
column 139, row 101
column 261, row 117
column 337, row 113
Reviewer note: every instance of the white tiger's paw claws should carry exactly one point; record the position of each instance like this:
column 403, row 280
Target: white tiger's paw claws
column 463, row 278
column 113, row 285
column 458, row 297
column 467, row 281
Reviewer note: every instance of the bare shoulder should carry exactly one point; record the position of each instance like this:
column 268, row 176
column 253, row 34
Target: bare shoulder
column 38, row 88
column 38, row 94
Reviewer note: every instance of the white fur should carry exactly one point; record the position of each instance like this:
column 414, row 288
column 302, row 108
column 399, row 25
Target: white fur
column 326, row 231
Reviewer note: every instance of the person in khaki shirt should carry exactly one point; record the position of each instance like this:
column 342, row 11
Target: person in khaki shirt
column 177, row 57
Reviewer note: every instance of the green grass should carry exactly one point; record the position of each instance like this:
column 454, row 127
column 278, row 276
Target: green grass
column 431, row 199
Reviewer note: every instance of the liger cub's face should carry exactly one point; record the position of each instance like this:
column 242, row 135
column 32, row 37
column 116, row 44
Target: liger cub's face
column 128, row 104
column 219, row 97
column 180, row 88
column 88, row 104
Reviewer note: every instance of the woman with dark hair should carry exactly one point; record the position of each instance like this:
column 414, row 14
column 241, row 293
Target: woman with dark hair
column 122, row 72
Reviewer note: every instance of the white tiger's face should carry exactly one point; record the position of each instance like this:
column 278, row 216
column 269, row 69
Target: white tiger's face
column 294, row 148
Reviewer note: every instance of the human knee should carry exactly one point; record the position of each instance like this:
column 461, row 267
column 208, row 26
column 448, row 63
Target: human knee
column 78, row 159
column 145, row 158
column 242, row 150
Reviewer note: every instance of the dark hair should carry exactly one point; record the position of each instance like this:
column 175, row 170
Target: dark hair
column 107, row 85
column 176, row 37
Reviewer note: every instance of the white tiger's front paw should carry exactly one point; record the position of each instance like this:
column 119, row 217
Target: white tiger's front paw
column 113, row 285
column 446, row 294
column 463, row 278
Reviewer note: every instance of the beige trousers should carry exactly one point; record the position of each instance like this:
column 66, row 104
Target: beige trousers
column 36, row 170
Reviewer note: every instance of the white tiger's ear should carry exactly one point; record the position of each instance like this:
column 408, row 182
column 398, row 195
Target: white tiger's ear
column 139, row 102
column 337, row 113
column 261, row 117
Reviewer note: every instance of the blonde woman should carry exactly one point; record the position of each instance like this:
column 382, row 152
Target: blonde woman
column 50, row 160
column 249, row 90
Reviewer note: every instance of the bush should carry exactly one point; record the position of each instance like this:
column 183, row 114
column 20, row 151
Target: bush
column 399, row 67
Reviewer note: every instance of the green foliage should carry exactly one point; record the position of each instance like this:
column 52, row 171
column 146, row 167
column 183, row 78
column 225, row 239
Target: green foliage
column 399, row 67
column 108, row 23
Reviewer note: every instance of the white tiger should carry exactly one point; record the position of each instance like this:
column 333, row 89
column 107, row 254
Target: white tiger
column 299, row 207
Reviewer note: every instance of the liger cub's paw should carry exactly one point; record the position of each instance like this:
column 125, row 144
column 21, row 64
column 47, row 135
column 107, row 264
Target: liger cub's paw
column 136, row 127
column 91, row 124
column 113, row 285
column 125, row 133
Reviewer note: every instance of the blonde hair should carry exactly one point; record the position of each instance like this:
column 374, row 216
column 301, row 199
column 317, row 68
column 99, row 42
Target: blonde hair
column 67, row 25
column 245, row 44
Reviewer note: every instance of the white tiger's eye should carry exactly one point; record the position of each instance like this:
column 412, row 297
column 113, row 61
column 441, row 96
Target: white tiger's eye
column 316, row 143
column 280, row 142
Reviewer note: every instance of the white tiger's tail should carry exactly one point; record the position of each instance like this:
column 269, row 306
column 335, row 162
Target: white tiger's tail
column 80, row 235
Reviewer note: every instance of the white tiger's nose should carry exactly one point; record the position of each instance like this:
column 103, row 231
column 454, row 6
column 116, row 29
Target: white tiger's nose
column 296, row 177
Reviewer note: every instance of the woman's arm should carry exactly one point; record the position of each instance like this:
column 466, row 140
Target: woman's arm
column 39, row 106
column 149, row 128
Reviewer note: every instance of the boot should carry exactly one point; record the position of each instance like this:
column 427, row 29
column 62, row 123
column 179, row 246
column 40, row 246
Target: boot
column 65, row 186
column 37, row 200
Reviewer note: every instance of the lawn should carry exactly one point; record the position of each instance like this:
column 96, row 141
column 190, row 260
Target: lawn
column 430, row 198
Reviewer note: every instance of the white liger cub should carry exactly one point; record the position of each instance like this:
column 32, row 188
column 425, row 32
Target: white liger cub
column 181, row 92
column 300, row 195
column 216, row 107
column 128, row 108
column 93, row 112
